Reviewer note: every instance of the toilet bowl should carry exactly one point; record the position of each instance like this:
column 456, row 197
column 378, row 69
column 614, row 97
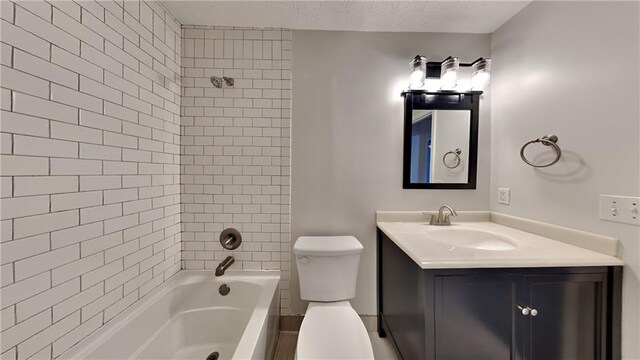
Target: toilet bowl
column 328, row 270
column 333, row 331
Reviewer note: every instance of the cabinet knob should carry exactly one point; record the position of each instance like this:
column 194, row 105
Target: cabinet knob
column 525, row 310
column 528, row 311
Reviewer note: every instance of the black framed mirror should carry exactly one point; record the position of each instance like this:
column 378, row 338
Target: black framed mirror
column 440, row 139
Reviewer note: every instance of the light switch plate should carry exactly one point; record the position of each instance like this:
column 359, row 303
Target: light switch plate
column 622, row 209
column 504, row 196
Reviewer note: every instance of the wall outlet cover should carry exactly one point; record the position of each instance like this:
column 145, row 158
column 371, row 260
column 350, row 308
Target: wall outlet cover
column 504, row 196
column 622, row 209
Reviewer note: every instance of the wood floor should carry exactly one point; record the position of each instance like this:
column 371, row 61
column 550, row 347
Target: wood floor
column 286, row 347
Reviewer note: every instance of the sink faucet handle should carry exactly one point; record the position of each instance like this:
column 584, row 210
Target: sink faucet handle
column 434, row 219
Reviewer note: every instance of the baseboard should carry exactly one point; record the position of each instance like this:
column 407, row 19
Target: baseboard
column 370, row 322
column 293, row 322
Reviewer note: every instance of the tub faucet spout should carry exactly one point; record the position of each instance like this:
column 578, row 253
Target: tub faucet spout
column 224, row 265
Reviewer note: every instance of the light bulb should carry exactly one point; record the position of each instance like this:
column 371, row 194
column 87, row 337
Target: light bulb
column 417, row 72
column 449, row 80
column 481, row 74
column 416, row 79
column 449, row 73
column 480, row 80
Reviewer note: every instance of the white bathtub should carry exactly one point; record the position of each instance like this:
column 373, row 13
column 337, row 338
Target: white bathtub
column 187, row 318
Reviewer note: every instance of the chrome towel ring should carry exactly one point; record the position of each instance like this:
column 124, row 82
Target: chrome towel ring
column 548, row 140
column 457, row 153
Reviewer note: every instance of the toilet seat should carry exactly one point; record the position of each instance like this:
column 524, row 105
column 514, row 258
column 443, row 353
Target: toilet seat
column 333, row 331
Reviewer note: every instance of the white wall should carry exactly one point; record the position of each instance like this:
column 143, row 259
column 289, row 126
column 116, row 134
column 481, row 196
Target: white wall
column 90, row 176
column 235, row 148
column 572, row 69
column 347, row 137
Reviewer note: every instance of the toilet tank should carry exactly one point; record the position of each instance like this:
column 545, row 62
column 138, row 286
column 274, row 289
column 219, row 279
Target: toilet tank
column 327, row 267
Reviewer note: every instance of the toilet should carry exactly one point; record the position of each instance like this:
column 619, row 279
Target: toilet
column 328, row 271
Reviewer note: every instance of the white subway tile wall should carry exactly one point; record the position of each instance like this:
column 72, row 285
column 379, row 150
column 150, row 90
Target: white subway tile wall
column 235, row 148
column 90, row 165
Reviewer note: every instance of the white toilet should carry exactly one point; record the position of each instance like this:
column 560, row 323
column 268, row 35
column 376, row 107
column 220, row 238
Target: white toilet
column 328, row 270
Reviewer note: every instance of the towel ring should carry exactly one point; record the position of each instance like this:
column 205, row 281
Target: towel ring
column 457, row 153
column 548, row 140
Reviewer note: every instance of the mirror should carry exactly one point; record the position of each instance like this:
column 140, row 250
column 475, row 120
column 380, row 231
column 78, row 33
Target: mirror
column 440, row 146
column 440, row 140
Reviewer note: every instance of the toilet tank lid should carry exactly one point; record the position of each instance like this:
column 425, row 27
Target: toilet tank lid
column 327, row 245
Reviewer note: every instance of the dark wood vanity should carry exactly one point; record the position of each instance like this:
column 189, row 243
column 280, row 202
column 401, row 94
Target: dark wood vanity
column 497, row 313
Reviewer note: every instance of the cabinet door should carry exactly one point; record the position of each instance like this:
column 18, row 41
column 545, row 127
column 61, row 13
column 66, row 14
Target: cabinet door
column 568, row 319
column 476, row 317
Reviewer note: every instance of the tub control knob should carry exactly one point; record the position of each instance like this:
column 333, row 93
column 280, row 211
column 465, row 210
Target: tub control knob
column 303, row 259
column 534, row 312
column 525, row 310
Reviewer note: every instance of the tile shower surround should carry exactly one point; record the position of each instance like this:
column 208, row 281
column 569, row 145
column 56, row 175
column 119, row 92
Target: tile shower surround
column 235, row 147
column 90, row 155
column 94, row 153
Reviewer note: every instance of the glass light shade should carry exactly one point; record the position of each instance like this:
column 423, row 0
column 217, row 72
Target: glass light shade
column 449, row 73
column 481, row 74
column 417, row 72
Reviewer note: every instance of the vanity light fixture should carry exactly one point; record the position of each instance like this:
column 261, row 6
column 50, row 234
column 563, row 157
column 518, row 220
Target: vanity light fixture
column 444, row 75
column 417, row 72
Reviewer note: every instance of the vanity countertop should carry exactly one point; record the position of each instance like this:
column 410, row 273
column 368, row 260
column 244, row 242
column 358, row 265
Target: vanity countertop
column 416, row 239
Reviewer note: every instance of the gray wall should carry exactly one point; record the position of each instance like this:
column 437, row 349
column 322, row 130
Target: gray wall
column 347, row 137
column 571, row 69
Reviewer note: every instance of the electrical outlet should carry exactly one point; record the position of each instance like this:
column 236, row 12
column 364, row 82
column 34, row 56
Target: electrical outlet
column 504, row 196
column 622, row 209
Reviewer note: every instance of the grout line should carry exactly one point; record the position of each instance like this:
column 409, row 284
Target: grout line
column 13, row 17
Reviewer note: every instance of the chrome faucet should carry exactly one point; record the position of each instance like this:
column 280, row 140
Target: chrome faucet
column 224, row 265
column 443, row 219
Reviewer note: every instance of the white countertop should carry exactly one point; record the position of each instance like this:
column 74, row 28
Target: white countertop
column 531, row 250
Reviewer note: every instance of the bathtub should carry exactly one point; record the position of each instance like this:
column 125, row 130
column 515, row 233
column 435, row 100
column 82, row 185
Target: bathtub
column 187, row 318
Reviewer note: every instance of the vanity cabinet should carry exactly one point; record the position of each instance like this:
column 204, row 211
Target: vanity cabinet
column 508, row 313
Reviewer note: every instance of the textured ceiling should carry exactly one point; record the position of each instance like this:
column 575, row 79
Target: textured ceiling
column 418, row 16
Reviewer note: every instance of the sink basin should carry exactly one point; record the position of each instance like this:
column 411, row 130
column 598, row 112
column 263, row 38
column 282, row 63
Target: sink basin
column 475, row 239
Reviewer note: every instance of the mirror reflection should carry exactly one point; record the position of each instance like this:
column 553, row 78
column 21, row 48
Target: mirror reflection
column 440, row 146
